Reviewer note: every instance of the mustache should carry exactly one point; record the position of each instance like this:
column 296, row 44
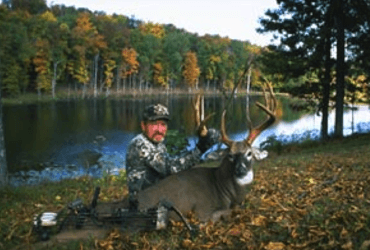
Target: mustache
column 159, row 134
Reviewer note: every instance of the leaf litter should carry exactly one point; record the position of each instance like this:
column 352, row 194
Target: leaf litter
column 300, row 201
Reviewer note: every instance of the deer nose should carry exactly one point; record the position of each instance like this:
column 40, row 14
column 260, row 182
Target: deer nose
column 242, row 168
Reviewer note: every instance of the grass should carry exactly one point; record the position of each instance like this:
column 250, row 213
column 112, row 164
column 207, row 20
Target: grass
column 310, row 196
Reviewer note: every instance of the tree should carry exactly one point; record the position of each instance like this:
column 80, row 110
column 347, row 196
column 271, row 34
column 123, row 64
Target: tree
column 109, row 66
column 17, row 51
column 86, row 44
column 175, row 46
column 191, row 70
column 32, row 6
column 3, row 166
column 307, row 32
column 129, row 62
column 160, row 78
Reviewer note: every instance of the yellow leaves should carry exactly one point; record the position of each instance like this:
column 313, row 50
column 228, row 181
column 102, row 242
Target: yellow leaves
column 158, row 75
column 104, row 244
column 48, row 16
column 155, row 29
column 215, row 59
column 109, row 66
column 275, row 246
column 191, row 70
column 259, row 220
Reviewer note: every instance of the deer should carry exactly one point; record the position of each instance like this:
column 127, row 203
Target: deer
column 212, row 192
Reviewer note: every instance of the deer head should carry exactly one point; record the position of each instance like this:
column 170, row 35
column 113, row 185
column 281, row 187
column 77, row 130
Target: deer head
column 241, row 153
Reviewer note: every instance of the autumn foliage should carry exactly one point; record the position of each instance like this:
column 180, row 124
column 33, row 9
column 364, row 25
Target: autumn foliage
column 130, row 63
column 154, row 29
column 159, row 76
column 191, row 70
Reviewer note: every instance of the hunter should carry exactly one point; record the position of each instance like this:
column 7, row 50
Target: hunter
column 147, row 160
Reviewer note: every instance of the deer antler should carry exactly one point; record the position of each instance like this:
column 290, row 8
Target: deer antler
column 224, row 138
column 270, row 109
column 200, row 121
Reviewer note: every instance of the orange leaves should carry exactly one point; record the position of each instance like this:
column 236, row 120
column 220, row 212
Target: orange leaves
column 131, row 65
column 86, row 37
column 191, row 70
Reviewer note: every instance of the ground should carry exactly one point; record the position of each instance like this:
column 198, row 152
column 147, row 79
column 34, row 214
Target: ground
column 310, row 196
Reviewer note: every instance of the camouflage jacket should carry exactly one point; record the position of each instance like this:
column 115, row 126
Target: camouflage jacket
column 148, row 162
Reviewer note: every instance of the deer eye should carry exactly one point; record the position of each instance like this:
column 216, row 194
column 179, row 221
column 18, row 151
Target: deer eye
column 249, row 155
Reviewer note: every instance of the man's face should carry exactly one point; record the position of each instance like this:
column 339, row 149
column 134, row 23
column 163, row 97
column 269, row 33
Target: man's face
column 155, row 130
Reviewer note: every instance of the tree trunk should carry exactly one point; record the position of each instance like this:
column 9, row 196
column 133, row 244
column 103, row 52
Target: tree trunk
column 326, row 90
column 117, row 79
column 84, row 90
column 338, row 131
column 3, row 166
column 38, row 91
column 249, row 77
column 54, row 81
column 96, row 58
column 101, row 82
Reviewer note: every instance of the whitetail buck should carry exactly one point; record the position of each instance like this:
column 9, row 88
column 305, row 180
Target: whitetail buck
column 212, row 192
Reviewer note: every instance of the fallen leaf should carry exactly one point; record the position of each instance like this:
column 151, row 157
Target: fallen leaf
column 365, row 245
column 275, row 246
column 260, row 220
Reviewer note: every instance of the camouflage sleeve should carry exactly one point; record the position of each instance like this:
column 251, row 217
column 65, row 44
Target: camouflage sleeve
column 183, row 161
column 167, row 164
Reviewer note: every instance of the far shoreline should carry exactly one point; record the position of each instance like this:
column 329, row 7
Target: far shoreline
column 67, row 95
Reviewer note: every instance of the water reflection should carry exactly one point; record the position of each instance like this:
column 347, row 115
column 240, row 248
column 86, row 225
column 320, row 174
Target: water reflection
column 67, row 133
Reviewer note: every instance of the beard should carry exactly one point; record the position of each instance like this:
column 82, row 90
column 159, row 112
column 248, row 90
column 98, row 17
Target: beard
column 154, row 137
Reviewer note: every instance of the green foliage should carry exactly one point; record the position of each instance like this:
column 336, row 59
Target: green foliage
column 175, row 141
column 12, row 79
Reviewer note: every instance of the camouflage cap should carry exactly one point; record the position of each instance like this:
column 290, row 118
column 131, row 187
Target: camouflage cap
column 156, row 112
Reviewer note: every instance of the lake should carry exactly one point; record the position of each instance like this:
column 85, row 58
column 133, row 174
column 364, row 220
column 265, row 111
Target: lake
column 66, row 139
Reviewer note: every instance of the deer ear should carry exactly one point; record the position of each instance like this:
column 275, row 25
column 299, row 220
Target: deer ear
column 258, row 154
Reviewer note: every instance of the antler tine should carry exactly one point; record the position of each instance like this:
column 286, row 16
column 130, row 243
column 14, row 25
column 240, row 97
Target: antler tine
column 269, row 110
column 200, row 121
column 224, row 138
column 196, row 105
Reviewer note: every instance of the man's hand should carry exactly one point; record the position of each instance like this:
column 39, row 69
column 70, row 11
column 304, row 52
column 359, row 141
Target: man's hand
column 200, row 121
column 211, row 138
column 207, row 137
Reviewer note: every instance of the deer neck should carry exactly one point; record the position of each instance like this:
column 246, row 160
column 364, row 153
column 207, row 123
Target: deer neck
column 225, row 183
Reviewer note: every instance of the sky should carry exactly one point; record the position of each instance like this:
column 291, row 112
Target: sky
column 236, row 19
